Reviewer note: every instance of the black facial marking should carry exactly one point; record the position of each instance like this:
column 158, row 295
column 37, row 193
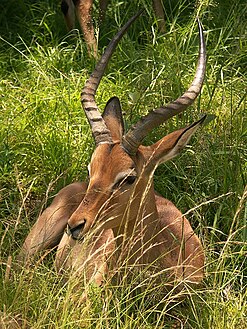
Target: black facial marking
column 85, row 202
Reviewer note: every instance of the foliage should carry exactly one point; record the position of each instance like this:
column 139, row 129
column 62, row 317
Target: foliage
column 46, row 144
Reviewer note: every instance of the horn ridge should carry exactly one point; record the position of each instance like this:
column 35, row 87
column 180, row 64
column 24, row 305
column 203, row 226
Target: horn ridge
column 139, row 131
column 100, row 131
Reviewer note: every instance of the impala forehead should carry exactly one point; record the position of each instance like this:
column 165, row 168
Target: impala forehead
column 110, row 162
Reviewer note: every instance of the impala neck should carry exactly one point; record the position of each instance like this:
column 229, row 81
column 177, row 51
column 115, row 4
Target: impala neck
column 141, row 226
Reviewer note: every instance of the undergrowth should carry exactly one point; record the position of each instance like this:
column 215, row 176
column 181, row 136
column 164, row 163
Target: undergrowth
column 46, row 144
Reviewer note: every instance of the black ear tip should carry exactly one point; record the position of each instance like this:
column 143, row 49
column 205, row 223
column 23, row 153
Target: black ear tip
column 207, row 118
column 114, row 118
column 113, row 100
column 113, row 107
column 203, row 118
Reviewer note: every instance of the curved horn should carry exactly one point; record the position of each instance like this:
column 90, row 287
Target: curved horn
column 138, row 132
column 100, row 132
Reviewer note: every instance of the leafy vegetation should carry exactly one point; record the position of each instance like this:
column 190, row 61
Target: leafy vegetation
column 46, row 144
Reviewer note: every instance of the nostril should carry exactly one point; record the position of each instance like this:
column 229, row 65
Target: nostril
column 75, row 231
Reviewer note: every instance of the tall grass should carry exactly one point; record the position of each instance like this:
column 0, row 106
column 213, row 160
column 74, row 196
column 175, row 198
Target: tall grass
column 46, row 144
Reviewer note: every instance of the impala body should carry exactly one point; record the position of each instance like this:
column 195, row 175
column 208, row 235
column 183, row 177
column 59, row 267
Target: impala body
column 117, row 217
column 83, row 10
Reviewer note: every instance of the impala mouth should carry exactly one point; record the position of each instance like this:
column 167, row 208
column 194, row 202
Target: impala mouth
column 75, row 232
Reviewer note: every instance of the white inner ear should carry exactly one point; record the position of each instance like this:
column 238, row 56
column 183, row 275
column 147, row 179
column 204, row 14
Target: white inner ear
column 181, row 143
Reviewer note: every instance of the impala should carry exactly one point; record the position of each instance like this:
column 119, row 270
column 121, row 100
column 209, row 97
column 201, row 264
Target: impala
column 83, row 9
column 117, row 217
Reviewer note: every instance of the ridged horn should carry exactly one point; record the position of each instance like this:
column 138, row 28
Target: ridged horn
column 139, row 131
column 100, row 131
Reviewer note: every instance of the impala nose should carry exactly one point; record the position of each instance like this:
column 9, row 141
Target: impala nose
column 74, row 232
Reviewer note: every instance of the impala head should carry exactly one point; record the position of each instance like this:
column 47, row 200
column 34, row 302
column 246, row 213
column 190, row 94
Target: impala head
column 120, row 167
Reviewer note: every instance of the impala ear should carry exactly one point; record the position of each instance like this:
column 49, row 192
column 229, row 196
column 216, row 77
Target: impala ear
column 171, row 145
column 113, row 118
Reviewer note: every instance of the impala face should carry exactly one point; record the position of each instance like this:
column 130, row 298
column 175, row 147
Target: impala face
column 112, row 175
column 118, row 181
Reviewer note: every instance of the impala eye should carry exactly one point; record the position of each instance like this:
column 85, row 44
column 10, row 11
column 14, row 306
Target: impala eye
column 128, row 180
